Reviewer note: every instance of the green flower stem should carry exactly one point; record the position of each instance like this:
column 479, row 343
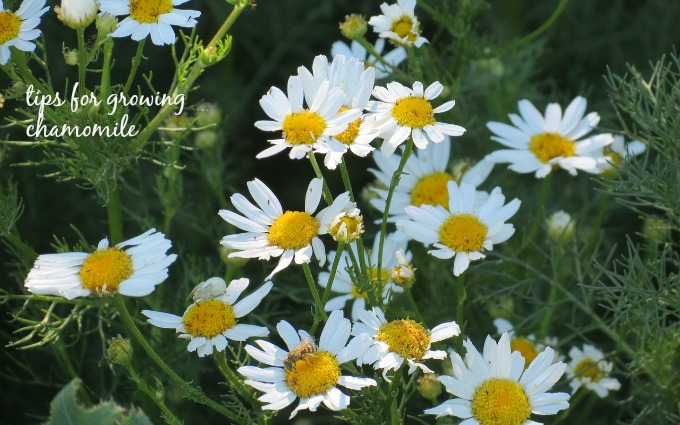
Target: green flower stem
column 115, row 214
column 595, row 234
column 24, row 76
column 461, row 295
column 393, row 184
column 233, row 380
column 320, row 312
column 348, row 187
column 327, row 196
column 157, row 397
column 187, row 83
column 26, row 253
column 105, row 86
column 135, row 65
column 192, row 393
column 539, row 215
column 395, row 416
column 82, row 61
column 538, row 31
column 346, row 181
column 329, row 285
column 370, row 288
column 547, row 315
column 414, row 306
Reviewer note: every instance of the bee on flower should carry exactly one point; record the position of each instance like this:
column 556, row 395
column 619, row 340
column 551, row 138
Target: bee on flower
column 305, row 370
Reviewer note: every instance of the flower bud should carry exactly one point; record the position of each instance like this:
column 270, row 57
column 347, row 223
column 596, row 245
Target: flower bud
column 347, row 225
column 560, row 227
column 206, row 139
column 71, row 57
column 354, row 26
column 208, row 113
column 2, row 101
column 403, row 274
column 106, row 24
column 429, row 387
column 77, row 13
column 655, row 230
column 120, row 351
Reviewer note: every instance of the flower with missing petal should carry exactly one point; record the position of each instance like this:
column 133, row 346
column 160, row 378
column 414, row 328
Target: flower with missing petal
column 466, row 229
column 131, row 268
column 212, row 319
column 619, row 151
column 395, row 342
column 538, row 144
column 306, row 371
column 400, row 113
column 588, row 368
column 150, row 17
column 271, row 232
column 398, row 23
column 496, row 389
column 18, row 29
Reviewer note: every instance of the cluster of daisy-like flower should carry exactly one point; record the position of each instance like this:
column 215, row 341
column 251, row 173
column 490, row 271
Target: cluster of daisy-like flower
column 143, row 18
column 328, row 111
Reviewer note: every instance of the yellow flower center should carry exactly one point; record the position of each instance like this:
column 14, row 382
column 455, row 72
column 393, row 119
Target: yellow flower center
column 404, row 28
column 463, row 233
column 10, row 25
column 431, row 190
column 209, row 318
column 405, row 337
column 526, row 348
column 375, row 280
column 588, row 369
column 356, row 294
column 303, row 128
column 314, row 373
column 547, row 146
column 293, row 230
column 105, row 269
column 148, row 11
column 348, row 136
column 500, row 402
column 414, row 112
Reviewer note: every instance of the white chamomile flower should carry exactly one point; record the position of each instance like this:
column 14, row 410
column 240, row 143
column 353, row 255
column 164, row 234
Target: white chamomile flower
column 131, row 268
column 213, row 318
column 154, row 17
column 538, row 143
column 401, row 113
column 304, row 370
column 619, row 151
column 496, row 389
column 394, row 57
column 344, row 285
column 425, row 177
column 395, row 342
column 77, row 13
column 589, row 369
column 18, row 29
column 356, row 82
column 346, row 224
column 304, row 129
column 271, row 232
column 398, row 23
column 466, row 229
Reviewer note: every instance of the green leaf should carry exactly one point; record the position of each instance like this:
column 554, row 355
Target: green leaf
column 65, row 410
